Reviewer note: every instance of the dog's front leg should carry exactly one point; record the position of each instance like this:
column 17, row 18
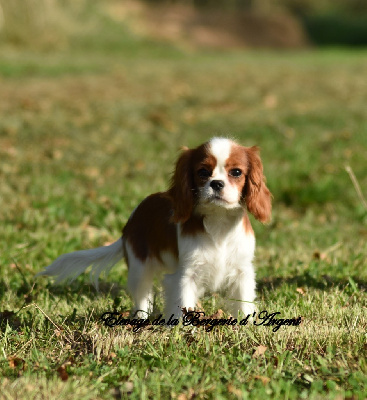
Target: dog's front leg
column 181, row 292
column 242, row 294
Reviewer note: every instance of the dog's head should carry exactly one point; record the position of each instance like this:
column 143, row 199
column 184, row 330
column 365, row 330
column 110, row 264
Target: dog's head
column 219, row 173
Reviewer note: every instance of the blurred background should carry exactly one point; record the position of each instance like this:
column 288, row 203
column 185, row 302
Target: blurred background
column 100, row 95
column 216, row 23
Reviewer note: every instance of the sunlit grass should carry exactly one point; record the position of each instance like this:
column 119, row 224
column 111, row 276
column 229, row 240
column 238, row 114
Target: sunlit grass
column 84, row 136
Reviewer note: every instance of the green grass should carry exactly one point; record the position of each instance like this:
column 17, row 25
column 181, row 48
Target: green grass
column 85, row 134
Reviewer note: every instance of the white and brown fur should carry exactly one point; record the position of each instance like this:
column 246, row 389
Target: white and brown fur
column 197, row 233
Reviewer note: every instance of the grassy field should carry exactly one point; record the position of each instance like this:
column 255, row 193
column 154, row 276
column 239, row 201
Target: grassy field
column 89, row 130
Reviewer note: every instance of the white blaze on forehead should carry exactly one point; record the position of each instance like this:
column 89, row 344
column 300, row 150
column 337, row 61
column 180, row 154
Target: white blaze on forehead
column 221, row 150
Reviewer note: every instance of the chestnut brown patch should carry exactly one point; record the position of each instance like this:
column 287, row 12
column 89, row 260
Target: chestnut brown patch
column 185, row 180
column 256, row 194
column 149, row 230
column 193, row 226
column 247, row 224
column 237, row 160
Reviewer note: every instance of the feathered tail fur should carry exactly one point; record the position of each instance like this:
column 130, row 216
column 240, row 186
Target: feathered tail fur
column 69, row 266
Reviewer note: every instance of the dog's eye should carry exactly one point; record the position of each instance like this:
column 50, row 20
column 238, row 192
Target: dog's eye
column 204, row 173
column 235, row 172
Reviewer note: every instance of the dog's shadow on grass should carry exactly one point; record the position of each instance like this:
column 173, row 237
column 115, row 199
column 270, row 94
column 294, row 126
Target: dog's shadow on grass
column 323, row 282
column 105, row 289
column 116, row 291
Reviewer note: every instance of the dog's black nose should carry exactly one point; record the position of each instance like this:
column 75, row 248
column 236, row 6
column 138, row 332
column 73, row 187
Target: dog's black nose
column 217, row 185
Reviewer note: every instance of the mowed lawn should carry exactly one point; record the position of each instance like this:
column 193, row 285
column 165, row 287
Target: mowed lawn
column 90, row 130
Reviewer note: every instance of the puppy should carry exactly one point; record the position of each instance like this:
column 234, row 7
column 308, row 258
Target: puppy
column 197, row 233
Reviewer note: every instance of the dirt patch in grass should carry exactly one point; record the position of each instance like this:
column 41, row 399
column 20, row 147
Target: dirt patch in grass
column 212, row 28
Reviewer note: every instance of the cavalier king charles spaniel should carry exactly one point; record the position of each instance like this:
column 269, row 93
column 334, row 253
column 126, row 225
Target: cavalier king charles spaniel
column 197, row 233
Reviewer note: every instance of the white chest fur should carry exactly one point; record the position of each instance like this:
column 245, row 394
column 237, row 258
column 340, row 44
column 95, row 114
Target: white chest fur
column 215, row 258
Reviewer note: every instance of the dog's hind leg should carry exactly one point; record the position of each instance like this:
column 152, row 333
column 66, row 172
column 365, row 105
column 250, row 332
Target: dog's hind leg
column 140, row 285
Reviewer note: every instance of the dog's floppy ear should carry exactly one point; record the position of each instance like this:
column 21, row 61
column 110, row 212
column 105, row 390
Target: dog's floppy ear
column 182, row 187
column 257, row 195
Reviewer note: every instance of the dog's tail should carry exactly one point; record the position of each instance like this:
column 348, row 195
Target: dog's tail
column 69, row 266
